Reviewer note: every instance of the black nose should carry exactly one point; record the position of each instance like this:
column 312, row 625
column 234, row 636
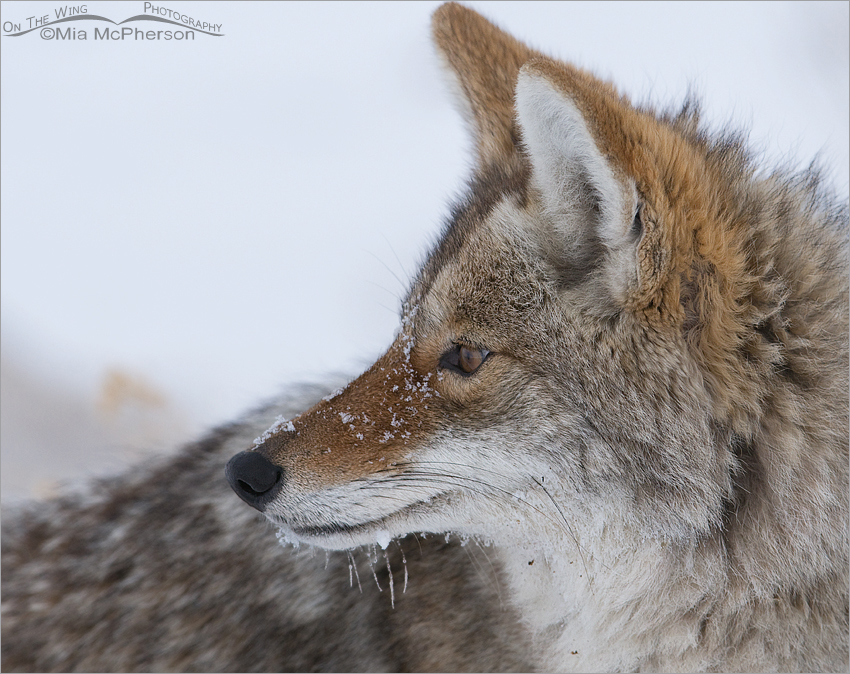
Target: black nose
column 254, row 478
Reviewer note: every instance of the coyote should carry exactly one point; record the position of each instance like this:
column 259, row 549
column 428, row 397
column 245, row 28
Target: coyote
column 611, row 434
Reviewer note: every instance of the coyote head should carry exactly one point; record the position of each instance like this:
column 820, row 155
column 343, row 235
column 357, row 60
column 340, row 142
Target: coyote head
column 606, row 332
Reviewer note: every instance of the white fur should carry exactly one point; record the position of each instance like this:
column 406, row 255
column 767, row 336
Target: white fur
column 566, row 160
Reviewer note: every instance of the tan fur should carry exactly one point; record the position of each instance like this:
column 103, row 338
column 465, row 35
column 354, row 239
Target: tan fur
column 652, row 456
column 363, row 429
column 468, row 46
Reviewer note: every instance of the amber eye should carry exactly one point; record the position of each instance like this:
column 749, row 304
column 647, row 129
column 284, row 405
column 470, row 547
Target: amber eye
column 464, row 359
column 469, row 360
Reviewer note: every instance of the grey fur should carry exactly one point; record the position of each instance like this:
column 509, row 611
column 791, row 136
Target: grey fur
column 164, row 569
column 657, row 443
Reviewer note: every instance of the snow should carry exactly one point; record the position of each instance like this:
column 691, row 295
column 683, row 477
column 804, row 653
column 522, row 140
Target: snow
column 281, row 425
column 287, row 538
column 383, row 539
column 333, row 395
column 223, row 258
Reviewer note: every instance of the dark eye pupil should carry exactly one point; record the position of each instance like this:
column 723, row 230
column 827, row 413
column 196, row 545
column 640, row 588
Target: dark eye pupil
column 470, row 360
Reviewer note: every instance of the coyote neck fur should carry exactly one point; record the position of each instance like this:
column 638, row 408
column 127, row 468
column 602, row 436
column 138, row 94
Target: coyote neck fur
column 606, row 597
column 623, row 370
column 653, row 605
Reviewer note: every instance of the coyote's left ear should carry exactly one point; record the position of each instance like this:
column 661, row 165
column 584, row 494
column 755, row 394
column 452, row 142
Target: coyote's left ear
column 485, row 62
column 588, row 200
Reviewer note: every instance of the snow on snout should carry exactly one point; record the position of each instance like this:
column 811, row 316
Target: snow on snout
column 281, row 424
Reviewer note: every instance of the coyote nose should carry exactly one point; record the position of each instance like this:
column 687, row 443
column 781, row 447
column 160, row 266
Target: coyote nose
column 254, row 478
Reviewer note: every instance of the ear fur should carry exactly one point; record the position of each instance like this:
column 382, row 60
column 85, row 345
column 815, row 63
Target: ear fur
column 568, row 168
column 589, row 205
column 549, row 116
column 485, row 62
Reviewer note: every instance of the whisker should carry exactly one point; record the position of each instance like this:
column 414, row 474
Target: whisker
column 460, row 480
column 397, row 259
column 387, row 267
column 493, row 569
column 374, row 575
column 578, row 547
column 478, row 570
column 392, row 587
column 414, row 478
column 404, row 563
column 353, row 565
column 539, row 484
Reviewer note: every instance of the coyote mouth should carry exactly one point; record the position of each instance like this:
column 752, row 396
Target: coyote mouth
column 334, row 528
column 368, row 527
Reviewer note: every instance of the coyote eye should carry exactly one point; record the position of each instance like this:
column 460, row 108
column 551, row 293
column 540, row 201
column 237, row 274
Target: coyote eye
column 464, row 359
column 470, row 360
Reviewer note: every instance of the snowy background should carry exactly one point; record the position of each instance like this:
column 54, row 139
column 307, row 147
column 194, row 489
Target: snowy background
column 188, row 227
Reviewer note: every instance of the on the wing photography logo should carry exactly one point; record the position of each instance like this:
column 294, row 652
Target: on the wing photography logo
column 74, row 23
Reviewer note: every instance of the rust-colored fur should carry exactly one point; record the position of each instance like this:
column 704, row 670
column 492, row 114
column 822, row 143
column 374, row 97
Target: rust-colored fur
column 620, row 386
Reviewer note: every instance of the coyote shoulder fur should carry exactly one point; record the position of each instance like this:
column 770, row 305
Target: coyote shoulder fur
column 611, row 434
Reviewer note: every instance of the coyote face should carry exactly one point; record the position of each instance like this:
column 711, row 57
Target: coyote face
column 625, row 348
column 625, row 364
column 594, row 327
column 508, row 390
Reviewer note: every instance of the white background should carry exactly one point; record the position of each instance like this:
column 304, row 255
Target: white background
column 188, row 227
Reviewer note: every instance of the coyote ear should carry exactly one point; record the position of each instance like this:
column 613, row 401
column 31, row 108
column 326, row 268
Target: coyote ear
column 586, row 201
column 578, row 184
column 485, row 61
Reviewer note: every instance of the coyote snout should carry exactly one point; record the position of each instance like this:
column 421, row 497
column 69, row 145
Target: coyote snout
column 611, row 434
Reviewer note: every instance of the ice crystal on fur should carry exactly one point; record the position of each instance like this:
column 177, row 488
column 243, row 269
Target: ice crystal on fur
column 333, row 395
column 654, row 451
column 383, row 538
column 286, row 538
column 281, row 424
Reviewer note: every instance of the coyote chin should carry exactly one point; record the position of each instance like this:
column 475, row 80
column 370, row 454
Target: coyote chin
column 611, row 434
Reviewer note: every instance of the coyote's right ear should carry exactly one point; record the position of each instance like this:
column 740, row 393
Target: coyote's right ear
column 569, row 168
column 485, row 62
column 589, row 205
